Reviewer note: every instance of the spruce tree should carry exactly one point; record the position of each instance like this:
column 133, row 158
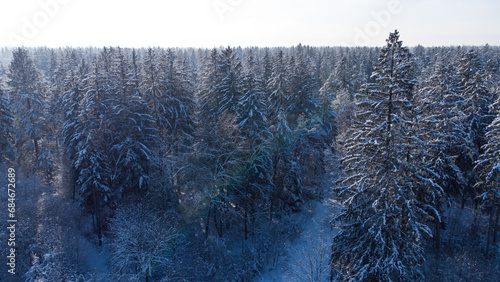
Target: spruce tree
column 72, row 95
column 302, row 100
column 208, row 98
column 343, row 78
column 384, row 221
column 179, row 91
column 154, row 90
column 252, row 122
column 440, row 115
column 252, row 112
column 439, row 107
column 134, row 135
column 287, row 192
column 6, row 131
column 488, row 168
column 218, row 150
column 229, row 88
column 472, row 87
column 93, row 153
column 29, row 107
column 280, row 90
column 327, row 94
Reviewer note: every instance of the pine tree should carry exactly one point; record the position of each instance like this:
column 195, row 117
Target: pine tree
column 179, row 116
column 384, row 220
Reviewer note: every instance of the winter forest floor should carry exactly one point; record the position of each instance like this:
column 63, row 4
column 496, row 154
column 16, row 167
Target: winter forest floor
column 306, row 258
column 461, row 257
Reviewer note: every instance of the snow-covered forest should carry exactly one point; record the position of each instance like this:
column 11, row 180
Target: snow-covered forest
column 253, row 164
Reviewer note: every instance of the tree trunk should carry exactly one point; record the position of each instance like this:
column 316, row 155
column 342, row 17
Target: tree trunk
column 218, row 225
column 495, row 229
column 464, row 199
column 97, row 216
column 490, row 235
column 438, row 237
column 37, row 150
column 207, row 222
column 271, row 209
column 246, row 224
column 251, row 218
column 73, row 181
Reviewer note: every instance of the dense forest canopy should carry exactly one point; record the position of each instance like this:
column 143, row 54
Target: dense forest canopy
column 193, row 164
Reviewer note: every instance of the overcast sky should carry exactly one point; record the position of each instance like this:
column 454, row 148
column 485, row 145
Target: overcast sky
column 211, row 23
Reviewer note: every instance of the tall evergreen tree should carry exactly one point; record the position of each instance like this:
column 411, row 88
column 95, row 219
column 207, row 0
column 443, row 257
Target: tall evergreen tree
column 488, row 168
column 343, row 78
column 219, row 151
column 327, row 94
column 471, row 85
column 384, row 218
column 302, row 100
column 71, row 127
column 93, row 152
column 6, row 131
column 229, row 88
column 252, row 119
column 29, row 107
column 266, row 72
column 287, row 190
column 278, row 103
column 180, row 92
column 252, row 123
column 134, row 134
column 209, row 100
column 440, row 115
column 439, row 107
column 154, row 90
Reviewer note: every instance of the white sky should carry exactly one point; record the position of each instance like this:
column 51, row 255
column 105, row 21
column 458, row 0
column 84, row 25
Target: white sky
column 210, row 23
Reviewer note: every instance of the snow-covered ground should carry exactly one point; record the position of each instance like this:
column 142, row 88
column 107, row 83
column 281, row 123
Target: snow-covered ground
column 306, row 258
